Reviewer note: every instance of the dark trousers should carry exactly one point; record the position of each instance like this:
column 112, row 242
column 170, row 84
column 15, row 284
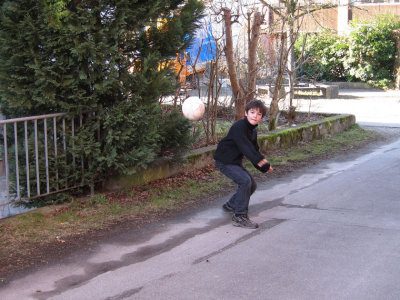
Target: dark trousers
column 246, row 186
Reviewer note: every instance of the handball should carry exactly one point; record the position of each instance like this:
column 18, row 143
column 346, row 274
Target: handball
column 193, row 109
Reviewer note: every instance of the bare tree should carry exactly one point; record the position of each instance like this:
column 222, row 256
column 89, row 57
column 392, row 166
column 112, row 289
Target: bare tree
column 290, row 15
column 243, row 89
column 241, row 59
column 286, row 27
column 205, row 78
column 213, row 85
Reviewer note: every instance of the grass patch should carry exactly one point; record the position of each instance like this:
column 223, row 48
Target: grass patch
column 353, row 138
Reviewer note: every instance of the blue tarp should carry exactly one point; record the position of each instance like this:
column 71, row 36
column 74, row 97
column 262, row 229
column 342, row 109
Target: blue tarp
column 203, row 42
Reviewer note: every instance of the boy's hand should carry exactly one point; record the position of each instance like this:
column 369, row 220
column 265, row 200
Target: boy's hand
column 264, row 162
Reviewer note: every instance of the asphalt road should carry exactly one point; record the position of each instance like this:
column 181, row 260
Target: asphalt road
column 327, row 232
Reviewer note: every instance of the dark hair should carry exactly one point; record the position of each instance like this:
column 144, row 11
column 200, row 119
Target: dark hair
column 258, row 104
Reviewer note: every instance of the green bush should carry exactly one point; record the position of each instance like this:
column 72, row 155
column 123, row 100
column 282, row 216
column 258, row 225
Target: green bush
column 175, row 135
column 372, row 50
column 323, row 56
column 367, row 54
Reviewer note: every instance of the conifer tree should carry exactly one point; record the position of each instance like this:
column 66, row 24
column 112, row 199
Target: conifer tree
column 100, row 56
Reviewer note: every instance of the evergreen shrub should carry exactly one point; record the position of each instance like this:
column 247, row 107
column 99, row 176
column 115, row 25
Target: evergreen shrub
column 98, row 57
column 176, row 135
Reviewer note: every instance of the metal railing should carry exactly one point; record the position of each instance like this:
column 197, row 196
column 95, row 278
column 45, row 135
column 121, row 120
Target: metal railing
column 32, row 150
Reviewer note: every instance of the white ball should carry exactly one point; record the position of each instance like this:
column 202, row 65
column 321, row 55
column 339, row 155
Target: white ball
column 193, row 109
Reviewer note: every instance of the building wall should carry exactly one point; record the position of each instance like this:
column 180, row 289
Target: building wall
column 368, row 11
column 327, row 18
column 339, row 17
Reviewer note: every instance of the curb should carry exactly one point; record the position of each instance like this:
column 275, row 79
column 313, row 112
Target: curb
column 200, row 158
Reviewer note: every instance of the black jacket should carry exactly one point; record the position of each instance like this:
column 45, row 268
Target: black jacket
column 240, row 141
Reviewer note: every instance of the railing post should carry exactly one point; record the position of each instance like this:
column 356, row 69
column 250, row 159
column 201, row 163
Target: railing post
column 6, row 161
column 55, row 148
column 28, row 190
column 16, row 161
column 37, row 158
column 46, row 156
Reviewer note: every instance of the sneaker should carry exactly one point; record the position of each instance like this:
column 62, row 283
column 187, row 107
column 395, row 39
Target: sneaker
column 226, row 207
column 244, row 221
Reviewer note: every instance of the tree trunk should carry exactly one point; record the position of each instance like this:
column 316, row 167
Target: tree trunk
column 237, row 91
column 274, row 106
column 290, row 40
column 252, row 64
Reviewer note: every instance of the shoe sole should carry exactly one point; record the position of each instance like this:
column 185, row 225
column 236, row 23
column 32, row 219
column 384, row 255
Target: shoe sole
column 240, row 225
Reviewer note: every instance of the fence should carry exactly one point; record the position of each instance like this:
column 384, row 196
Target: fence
column 40, row 157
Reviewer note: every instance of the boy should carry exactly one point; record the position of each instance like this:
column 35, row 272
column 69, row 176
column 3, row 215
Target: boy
column 241, row 141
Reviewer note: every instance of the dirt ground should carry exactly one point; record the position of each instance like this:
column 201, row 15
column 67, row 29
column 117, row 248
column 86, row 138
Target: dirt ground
column 53, row 251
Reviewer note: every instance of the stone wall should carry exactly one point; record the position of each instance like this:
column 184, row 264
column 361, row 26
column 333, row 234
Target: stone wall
column 350, row 85
column 202, row 157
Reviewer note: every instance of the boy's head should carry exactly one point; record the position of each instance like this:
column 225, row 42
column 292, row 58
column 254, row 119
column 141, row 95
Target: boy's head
column 257, row 105
column 255, row 110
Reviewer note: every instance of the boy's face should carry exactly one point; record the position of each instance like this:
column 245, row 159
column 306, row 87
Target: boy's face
column 254, row 116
